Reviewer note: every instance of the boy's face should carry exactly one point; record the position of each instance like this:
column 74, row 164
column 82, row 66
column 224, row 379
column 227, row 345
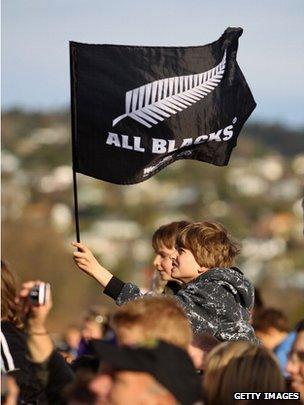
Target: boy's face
column 185, row 267
column 163, row 262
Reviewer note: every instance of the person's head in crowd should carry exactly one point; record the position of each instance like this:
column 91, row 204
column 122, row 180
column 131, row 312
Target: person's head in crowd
column 152, row 318
column 72, row 336
column 240, row 367
column 94, row 323
column 86, row 375
column 202, row 246
column 271, row 327
column 79, row 394
column 163, row 242
column 201, row 345
column 101, row 385
column 153, row 373
column 295, row 363
column 68, row 347
column 10, row 310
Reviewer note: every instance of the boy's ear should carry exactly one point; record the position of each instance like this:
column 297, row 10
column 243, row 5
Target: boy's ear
column 202, row 270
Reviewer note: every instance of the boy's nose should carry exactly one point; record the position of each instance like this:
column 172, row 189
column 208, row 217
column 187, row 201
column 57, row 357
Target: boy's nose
column 156, row 261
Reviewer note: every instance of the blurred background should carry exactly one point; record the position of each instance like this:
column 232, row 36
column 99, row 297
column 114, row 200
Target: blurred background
column 258, row 196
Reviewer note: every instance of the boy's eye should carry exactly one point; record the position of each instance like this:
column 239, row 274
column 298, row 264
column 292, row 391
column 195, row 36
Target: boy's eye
column 163, row 255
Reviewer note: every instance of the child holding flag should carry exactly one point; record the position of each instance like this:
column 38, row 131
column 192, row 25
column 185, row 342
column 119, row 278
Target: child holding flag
column 216, row 296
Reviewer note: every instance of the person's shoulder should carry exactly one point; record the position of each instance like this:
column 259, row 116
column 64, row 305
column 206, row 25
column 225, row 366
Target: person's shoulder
column 13, row 337
column 214, row 275
column 202, row 284
column 232, row 275
column 220, row 280
column 9, row 328
column 217, row 276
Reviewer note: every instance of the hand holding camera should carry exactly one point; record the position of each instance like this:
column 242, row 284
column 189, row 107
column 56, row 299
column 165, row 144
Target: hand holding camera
column 39, row 294
column 37, row 303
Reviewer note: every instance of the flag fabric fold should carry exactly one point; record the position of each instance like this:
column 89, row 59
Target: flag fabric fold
column 137, row 109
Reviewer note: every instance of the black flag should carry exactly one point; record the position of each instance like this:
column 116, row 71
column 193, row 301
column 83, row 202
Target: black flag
column 137, row 109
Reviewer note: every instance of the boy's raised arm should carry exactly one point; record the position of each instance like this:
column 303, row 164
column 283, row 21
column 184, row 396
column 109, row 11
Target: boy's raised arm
column 87, row 262
column 113, row 287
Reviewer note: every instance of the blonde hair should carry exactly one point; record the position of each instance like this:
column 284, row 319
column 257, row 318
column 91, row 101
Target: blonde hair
column 240, row 367
column 158, row 317
column 166, row 235
column 210, row 243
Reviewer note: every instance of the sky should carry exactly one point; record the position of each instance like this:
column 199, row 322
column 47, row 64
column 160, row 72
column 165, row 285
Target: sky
column 36, row 35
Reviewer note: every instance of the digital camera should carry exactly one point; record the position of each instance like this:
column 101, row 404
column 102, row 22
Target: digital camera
column 39, row 294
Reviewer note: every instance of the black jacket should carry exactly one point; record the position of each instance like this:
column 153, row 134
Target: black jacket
column 54, row 375
column 217, row 302
column 15, row 361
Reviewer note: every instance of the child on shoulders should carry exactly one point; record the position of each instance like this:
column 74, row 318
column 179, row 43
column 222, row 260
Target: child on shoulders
column 216, row 296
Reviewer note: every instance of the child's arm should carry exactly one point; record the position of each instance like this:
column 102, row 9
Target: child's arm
column 86, row 261
column 113, row 287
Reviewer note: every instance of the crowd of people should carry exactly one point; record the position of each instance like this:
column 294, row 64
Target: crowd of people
column 201, row 335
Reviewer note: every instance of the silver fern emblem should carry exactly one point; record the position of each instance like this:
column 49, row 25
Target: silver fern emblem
column 158, row 100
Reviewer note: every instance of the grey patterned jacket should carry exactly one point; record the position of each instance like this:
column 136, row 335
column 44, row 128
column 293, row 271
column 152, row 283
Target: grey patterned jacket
column 217, row 302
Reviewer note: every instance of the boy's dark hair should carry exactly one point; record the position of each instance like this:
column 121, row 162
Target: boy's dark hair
column 210, row 243
column 270, row 318
column 166, row 234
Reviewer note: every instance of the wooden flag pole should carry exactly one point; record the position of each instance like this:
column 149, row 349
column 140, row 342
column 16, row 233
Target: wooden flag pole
column 74, row 144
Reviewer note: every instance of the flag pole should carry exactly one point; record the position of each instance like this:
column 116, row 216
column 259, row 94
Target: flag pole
column 76, row 205
column 73, row 129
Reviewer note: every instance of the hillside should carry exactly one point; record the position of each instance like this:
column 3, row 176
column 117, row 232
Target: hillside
column 258, row 196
